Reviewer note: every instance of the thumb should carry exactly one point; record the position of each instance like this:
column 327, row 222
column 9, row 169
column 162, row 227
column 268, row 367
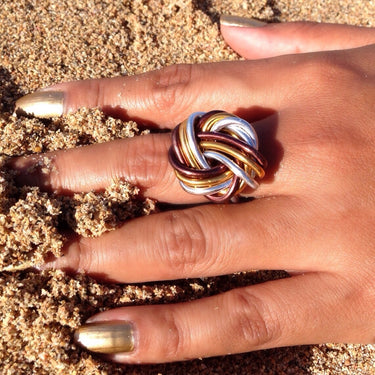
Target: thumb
column 253, row 39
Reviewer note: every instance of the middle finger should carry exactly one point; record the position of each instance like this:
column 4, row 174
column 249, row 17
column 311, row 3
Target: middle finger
column 208, row 240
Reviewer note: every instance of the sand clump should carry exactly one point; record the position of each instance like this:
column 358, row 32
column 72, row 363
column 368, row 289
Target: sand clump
column 39, row 311
column 38, row 338
column 29, row 217
column 22, row 135
column 49, row 41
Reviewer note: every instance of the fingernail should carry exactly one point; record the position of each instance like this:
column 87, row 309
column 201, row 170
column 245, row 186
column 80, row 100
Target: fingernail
column 106, row 337
column 236, row 21
column 43, row 104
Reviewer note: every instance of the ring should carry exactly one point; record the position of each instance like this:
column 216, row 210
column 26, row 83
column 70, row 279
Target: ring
column 215, row 154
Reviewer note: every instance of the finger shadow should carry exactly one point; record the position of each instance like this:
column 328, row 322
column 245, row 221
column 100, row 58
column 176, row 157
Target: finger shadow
column 265, row 122
column 296, row 360
column 122, row 114
column 207, row 7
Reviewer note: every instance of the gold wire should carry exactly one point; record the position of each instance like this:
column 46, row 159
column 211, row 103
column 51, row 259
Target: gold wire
column 186, row 151
column 206, row 182
column 234, row 153
column 215, row 118
column 241, row 158
column 243, row 184
column 240, row 188
column 212, row 120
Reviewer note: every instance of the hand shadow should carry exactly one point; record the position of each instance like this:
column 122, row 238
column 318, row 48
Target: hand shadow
column 265, row 123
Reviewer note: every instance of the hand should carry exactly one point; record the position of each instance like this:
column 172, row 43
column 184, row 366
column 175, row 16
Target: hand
column 314, row 213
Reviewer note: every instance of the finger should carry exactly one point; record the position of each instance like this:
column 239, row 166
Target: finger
column 208, row 240
column 166, row 97
column 274, row 314
column 268, row 40
column 142, row 161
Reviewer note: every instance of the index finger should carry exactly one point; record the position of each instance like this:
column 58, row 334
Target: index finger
column 166, row 97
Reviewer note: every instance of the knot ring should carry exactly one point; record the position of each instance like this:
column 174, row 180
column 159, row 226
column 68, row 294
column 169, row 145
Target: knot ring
column 215, row 154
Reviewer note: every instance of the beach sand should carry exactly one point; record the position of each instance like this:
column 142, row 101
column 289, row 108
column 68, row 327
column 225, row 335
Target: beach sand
column 49, row 41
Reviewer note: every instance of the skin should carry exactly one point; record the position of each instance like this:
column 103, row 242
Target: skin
column 314, row 213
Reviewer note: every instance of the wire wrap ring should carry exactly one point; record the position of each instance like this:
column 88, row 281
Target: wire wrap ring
column 215, row 154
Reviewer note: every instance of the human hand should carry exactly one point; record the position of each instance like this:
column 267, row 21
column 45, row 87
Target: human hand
column 313, row 214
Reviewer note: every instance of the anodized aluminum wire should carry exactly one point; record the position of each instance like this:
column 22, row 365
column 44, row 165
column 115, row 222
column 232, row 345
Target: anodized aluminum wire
column 215, row 154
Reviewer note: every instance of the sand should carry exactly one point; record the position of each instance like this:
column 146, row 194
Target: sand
column 49, row 41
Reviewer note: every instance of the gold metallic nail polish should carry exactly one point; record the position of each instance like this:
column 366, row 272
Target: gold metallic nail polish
column 237, row 21
column 43, row 104
column 106, row 337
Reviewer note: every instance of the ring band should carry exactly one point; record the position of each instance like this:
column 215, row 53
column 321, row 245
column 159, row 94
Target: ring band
column 215, row 154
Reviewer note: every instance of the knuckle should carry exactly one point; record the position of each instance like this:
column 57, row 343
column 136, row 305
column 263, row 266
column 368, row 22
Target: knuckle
column 184, row 247
column 252, row 322
column 84, row 258
column 170, row 91
column 322, row 70
column 90, row 258
column 50, row 173
column 321, row 73
column 329, row 139
column 176, row 342
column 327, row 144
column 98, row 89
column 145, row 168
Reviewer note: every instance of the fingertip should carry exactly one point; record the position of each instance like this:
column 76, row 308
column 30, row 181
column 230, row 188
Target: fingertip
column 252, row 41
column 249, row 42
column 106, row 337
column 236, row 21
column 41, row 104
column 66, row 97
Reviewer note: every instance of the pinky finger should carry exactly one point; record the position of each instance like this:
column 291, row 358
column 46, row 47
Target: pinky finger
column 274, row 314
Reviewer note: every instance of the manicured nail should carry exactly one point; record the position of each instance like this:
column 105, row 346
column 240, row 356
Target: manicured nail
column 106, row 337
column 43, row 104
column 237, row 21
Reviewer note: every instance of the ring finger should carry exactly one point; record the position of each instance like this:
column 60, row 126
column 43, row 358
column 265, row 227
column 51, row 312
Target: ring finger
column 143, row 161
